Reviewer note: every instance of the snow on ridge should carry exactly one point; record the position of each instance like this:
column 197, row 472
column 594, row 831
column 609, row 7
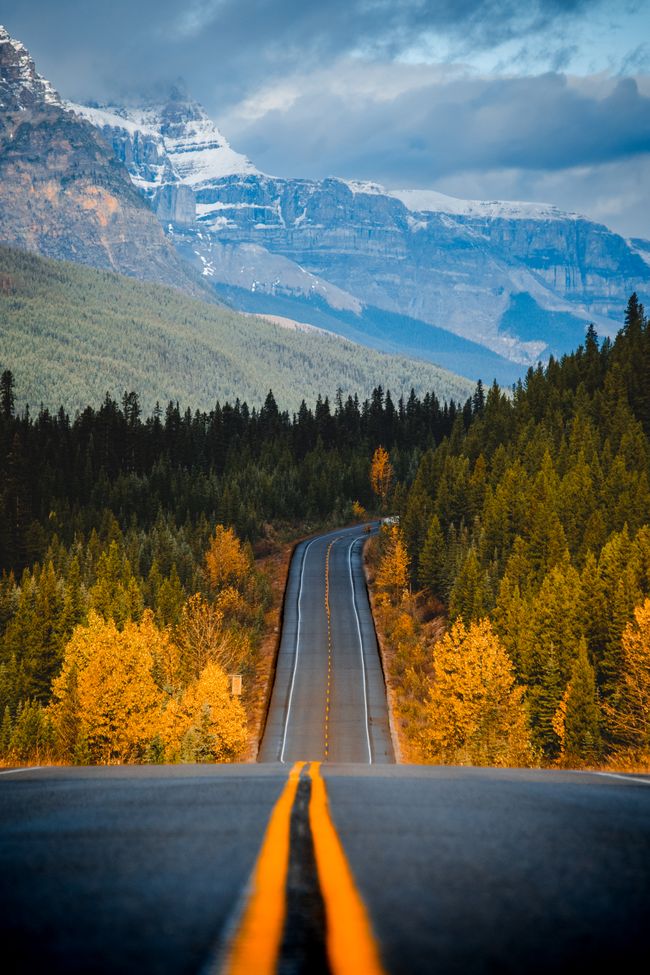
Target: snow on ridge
column 110, row 117
column 197, row 151
column 366, row 187
column 430, row 201
column 27, row 73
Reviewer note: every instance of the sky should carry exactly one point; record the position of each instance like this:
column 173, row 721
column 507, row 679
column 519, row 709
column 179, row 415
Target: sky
column 543, row 100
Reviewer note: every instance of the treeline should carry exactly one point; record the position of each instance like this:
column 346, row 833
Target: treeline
column 233, row 465
column 107, row 534
column 104, row 660
column 530, row 528
column 72, row 332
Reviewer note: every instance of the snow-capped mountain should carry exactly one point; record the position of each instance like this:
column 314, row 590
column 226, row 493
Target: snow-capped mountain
column 62, row 192
column 171, row 149
column 21, row 86
column 404, row 270
column 522, row 279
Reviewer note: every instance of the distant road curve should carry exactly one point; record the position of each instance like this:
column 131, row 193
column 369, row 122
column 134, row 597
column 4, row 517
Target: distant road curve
column 329, row 697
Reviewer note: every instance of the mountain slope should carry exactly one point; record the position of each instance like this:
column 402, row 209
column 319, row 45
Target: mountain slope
column 522, row 279
column 71, row 333
column 62, row 191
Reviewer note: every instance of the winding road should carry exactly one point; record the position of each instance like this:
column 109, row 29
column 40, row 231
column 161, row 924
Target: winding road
column 325, row 856
column 329, row 695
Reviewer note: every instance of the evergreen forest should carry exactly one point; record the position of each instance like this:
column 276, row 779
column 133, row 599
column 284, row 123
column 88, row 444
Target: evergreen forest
column 511, row 589
column 70, row 333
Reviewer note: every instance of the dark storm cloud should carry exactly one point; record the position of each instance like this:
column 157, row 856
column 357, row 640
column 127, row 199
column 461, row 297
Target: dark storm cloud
column 231, row 46
column 424, row 135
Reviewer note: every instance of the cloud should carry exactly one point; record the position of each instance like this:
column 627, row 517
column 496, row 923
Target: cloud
column 414, row 93
column 435, row 127
column 232, row 47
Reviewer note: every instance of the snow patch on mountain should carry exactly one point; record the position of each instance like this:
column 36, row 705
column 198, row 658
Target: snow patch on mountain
column 430, row 201
column 191, row 148
column 21, row 77
column 363, row 186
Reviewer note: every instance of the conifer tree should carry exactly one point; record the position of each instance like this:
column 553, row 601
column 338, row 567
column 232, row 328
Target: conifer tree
column 580, row 719
column 470, row 598
column 432, row 564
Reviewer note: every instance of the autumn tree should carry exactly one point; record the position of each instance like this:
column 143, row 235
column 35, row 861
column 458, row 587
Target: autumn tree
column 393, row 570
column 381, row 476
column 474, row 713
column 227, row 561
column 215, row 722
column 629, row 714
column 109, row 675
column 203, row 638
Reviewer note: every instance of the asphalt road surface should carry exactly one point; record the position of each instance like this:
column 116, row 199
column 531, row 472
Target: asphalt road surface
column 329, row 696
column 349, row 867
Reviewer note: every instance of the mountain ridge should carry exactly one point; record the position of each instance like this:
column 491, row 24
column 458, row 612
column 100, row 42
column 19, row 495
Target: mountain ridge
column 460, row 265
column 63, row 193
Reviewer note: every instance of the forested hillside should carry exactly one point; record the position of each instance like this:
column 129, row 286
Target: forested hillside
column 124, row 534
column 513, row 592
column 529, row 530
column 70, row 334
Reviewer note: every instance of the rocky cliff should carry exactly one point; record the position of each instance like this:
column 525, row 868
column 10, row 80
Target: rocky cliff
column 63, row 193
column 521, row 279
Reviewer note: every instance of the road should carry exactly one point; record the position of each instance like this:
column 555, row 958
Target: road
column 349, row 866
column 329, row 696
column 462, row 870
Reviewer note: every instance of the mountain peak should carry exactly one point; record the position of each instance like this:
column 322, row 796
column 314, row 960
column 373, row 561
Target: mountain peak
column 21, row 86
column 189, row 147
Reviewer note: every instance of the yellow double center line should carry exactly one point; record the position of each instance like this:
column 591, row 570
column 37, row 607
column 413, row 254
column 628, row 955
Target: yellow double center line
column 329, row 648
column 351, row 946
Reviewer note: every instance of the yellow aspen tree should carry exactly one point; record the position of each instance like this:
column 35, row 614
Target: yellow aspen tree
column 215, row 721
column 226, row 560
column 111, row 673
column 381, row 475
column 474, row 713
column 393, row 571
column 203, row 638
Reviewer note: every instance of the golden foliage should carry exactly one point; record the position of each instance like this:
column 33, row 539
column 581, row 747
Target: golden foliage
column 393, row 571
column 381, row 475
column 474, row 714
column 358, row 511
column 118, row 700
column 120, row 690
column 630, row 714
column 203, row 637
column 213, row 720
column 227, row 562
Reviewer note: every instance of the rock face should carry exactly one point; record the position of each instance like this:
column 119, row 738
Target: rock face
column 62, row 191
column 521, row 279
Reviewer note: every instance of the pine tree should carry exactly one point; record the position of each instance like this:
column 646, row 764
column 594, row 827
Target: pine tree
column 470, row 598
column 629, row 712
column 581, row 730
column 7, row 396
column 432, row 564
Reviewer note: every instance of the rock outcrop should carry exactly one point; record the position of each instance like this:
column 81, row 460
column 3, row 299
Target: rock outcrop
column 63, row 192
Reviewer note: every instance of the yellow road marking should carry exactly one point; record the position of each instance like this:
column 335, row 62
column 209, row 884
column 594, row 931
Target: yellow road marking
column 329, row 644
column 351, row 946
column 257, row 943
